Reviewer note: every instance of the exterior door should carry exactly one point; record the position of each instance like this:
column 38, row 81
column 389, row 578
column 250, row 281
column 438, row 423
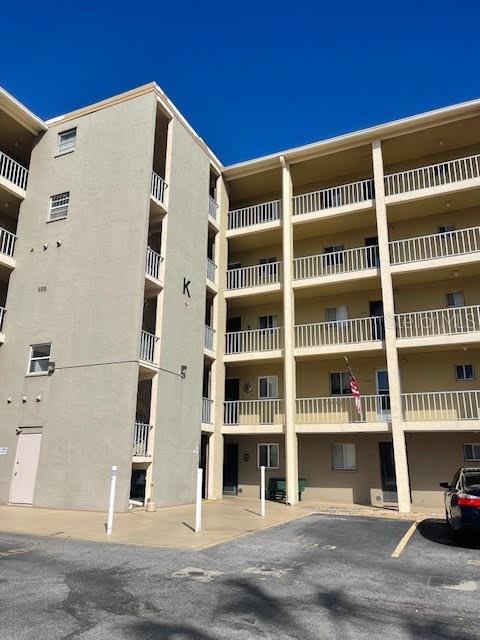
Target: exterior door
column 383, row 389
column 25, row 467
column 373, row 255
column 378, row 322
column 204, row 443
column 387, row 471
column 230, row 468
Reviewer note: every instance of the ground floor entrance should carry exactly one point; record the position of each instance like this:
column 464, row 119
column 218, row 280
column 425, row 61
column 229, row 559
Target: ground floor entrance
column 25, row 466
column 230, row 468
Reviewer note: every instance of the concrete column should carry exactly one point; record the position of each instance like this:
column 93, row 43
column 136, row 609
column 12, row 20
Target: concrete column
column 290, row 393
column 398, row 434
column 217, row 382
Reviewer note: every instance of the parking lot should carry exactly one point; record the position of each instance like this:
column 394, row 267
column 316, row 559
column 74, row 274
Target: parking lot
column 324, row 576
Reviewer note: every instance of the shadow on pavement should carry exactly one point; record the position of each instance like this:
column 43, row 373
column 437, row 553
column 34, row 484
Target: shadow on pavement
column 436, row 530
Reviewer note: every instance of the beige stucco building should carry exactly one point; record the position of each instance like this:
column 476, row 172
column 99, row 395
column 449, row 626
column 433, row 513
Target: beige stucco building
column 159, row 311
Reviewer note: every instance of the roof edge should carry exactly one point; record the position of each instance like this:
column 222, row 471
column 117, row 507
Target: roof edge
column 20, row 113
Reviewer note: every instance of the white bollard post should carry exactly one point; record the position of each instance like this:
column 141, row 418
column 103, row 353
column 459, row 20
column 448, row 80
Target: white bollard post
column 198, row 503
column 262, row 490
column 111, row 502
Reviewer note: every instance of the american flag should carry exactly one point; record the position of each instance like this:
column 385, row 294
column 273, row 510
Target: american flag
column 354, row 389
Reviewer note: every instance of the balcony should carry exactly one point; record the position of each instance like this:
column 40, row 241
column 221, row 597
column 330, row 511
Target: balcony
column 153, row 261
column 339, row 413
column 2, row 315
column 141, row 434
column 436, row 250
column 341, row 336
column 158, row 192
column 207, row 404
column 211, row 274
column 254, row 416
column 255, row 344
column 257, row 279
column 13, row 177
column 328, row 268
column 212, row 208
column 425, row 328
column 147, row 354
column 266, row 214
column 438, row 410
column 7, row 247
column 443, row 177
column 209, row 336
column 345, row 198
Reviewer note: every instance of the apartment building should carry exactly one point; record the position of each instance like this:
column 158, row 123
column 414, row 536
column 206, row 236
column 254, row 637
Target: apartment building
column 162, row 311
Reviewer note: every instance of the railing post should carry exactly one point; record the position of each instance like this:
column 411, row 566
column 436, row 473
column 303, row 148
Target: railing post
column 262, row 491
column 198, row 501
column 111, row 502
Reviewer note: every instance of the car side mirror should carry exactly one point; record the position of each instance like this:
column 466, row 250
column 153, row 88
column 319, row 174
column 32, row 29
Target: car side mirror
column 445, row 485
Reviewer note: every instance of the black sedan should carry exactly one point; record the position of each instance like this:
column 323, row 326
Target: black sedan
column 462, row 501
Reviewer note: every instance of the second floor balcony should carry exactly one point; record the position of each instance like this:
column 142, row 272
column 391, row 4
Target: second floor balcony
column 259, row 342
column 207, row 406
column 13, row 175
column 446, row 408
column 141, row 437
column 264, row 415
column 148, row 351
column 373, row 410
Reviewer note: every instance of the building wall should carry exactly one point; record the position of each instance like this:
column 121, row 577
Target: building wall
column 435, row 371
column 92, row 265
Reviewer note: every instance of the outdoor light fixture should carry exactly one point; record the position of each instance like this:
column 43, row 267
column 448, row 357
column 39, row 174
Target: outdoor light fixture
column 183, row 371
column 51, row 368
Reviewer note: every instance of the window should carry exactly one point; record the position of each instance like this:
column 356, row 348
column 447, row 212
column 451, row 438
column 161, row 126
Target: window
column 335, row 314
column 268, row 456
column 334, row 254
column 59, row 206
column 471, row 451
column 39, row 358
column 268, row 387
column 267, row 322
column 340, row 384
column 455, row 299
column 344, row 457
column 446, row 228
column 465, row 372
column 66, row 141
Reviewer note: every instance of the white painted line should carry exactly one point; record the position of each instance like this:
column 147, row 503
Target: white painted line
column 405, row 540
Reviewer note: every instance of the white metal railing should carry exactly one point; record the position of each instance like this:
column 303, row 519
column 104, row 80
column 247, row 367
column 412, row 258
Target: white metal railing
column 153, row 263
column 209, row 336
column 438, row 322
column 436, row 245
column 441, row 406
column 327, row 264
column 340, row 332
column 147, row 346
column 212, row 207
column 434, row 175
column 158, row 187
column 140, row 439
column 2, row 314
column 13, row 171
column 342, row 409
column 256, row 214
column 251, row 412
column 254, row 340
column 211, row 270
column 255, row 276
column 7, row 242
column 340, row 196
column 207, row 410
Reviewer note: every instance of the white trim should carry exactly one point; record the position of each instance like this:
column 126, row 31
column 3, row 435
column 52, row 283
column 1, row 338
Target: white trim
column 267, row 377
column 38, row 358
column 343, row 445
column 268, row 444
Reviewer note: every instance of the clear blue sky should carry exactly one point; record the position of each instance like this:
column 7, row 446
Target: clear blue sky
column 251, row 77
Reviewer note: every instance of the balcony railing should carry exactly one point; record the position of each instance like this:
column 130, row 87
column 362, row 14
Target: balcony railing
column 438, row 322
column 207, row 410
column 211, row 271
column 140, row 439
column 212, row 207
column 434, row 175
column 437, row 245
column 147, row 346
column 13, row 171
column 256, row 214
column 2, row 315
column 158, row 187
column 209, row 337
column 341, row 196
column 7, row 242
column 255, row 276
column 441, row 406
column 153, row 263
column 342, row 409
column 340, row 332
column 253, row 340
column 252, row 412
column 327, row 264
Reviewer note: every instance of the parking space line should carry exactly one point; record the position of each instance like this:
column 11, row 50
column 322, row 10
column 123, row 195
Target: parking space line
column 404, row 541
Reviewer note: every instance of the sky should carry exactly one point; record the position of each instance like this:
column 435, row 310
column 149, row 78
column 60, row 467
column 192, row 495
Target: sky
column 252, row 78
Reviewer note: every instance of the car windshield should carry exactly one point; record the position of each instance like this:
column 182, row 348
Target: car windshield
column 472, row 480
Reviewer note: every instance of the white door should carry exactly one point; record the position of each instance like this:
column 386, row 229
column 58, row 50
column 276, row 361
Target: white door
column 25, row 467
column 383, row 402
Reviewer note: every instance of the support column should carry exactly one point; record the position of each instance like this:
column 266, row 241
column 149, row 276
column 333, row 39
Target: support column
column 398, row 434
column 290, row 393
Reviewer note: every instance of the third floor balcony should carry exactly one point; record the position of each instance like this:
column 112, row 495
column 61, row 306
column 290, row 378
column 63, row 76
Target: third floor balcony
column 13, row 176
